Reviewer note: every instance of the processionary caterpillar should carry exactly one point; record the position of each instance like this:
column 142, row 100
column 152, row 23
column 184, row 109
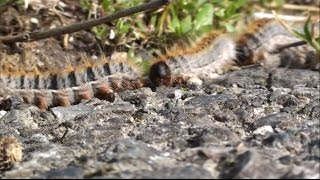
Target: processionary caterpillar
column 71, row 85
column 218, row 53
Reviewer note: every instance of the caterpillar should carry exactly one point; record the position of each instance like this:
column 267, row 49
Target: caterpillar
column 10, row 152
column 71, row 85
column 219, row 53
column 261, row 40
column 214, row 53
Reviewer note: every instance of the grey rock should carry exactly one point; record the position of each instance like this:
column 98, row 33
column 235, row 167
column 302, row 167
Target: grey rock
column 244, row 124
column 309, row 170
column 128, row 149
column 252, row 164
column 206, row 101
column 185, row 172
column 20, row 118
column 70, row 112
column 272, row 119
column 39, row 138
column 67, row 173
column 212, row 136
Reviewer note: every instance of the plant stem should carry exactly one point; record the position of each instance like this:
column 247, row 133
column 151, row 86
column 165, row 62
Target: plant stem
column 84, row 25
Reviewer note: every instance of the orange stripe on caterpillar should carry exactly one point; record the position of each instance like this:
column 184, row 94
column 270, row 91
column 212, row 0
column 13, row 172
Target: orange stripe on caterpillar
column 70, row 86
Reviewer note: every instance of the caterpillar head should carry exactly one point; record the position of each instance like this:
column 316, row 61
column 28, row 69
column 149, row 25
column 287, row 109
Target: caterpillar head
column 160, row 74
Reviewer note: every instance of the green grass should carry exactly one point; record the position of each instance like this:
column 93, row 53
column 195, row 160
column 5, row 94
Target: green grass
column 178, row 20
column 308, row 36
column 181, row 18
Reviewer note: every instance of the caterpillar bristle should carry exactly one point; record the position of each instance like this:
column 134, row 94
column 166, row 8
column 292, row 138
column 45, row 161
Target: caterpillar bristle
column 102, row 91
column 26, row 99
column 62, row 99
column 204, row 42
column 41, row 102
column 83, row 93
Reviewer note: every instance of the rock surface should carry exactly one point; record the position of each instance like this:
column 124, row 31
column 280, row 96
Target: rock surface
column 240, row 125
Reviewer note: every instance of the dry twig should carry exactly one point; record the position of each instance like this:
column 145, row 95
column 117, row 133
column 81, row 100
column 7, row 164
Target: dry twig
column 83, row 25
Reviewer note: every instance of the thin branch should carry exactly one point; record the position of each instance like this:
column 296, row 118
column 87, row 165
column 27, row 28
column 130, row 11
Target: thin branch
column 298, row 7
column 285, row 46
column 84, row 25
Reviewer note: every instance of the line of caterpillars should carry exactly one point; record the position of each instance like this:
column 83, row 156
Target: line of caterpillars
column 219, row 53
column 214, row 54
column 70, row 86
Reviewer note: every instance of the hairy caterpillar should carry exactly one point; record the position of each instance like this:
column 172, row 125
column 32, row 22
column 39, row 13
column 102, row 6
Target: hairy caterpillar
column 10, row 152
column 261, row 40
column 71, row 85
column 218, row 53
column 214, row 53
